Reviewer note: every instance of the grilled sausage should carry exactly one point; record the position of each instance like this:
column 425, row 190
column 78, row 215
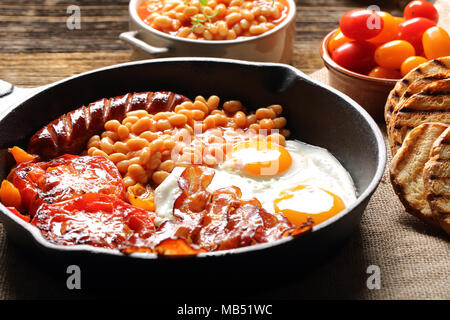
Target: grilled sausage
column 70, row 132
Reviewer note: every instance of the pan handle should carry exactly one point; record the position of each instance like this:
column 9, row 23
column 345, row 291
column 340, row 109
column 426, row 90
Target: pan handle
column 10, row 94
column 131, row 38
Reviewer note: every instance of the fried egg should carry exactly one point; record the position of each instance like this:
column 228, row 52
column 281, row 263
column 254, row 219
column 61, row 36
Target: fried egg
column 298, row 180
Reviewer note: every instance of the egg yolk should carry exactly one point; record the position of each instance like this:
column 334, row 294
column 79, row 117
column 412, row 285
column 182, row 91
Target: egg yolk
column 261, row 158
column 298, row 203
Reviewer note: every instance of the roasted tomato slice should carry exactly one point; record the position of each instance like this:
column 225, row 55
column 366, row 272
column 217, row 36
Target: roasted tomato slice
column 64, row 178
column 95, row 219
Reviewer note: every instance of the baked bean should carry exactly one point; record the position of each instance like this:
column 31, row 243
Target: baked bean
column 99, row 153
column 136, row 113
column 244, row 24
column 106, row 145
column 111, row 135
column 257, row 29
column 184, row 32
column 130, row 119
column 149, row 136
column 163, row 22
column 156, row 145
column 263, row 113
column 143, row 124
column 251, row 119
column 94, row 141
column 248, row 15
column 279, row 123
column 163, row 125
column 123, row 132
column 266, row 124
column 136, row 171
column 277, row 138
column 136, row 143
column 240, row 119
column 167, row 165
column 121, row 147
column 190, row 11
column 231, row 35
column 178, row 120
column 155, row 162
column 285, row 132
column 233, row 18
column 128, row 181
column 116, row 157
column 112, row 125
column 222, row 28
column 200, row 105
column 232, row 106
column 159, row 176
column 276, row 108
column 213, row 103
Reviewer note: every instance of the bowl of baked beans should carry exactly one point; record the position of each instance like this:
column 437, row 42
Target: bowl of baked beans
column 254, row 30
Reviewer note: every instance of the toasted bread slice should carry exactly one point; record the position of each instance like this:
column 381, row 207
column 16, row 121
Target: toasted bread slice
column 407, row 166
column 432, row 104
column 436, row 179
column 426, row 71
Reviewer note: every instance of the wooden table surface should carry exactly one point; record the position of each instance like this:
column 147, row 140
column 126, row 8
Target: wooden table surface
column 37, row 48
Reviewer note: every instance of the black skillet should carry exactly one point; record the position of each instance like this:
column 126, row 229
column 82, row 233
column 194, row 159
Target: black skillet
column 317, row 114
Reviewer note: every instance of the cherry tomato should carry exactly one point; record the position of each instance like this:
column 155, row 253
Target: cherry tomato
column 337, row 40
column 381, row 72
column 412, row 31
column 356, row 56
column 361, row 24
column 436, row 43
column 391, row 55
column 390, row 29
column 411, row 63
column 398, row 20
column 420, row 8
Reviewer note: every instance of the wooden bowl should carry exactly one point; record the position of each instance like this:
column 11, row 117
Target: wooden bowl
column 370, row 93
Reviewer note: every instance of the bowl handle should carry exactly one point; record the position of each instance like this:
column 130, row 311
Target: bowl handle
column 131, row 38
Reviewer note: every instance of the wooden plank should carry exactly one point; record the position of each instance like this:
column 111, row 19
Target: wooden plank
column 37, row 48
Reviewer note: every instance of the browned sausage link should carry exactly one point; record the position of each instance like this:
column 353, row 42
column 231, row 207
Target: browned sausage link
column 70, row 132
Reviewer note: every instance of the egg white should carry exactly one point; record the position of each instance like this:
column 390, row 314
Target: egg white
column 311, row 165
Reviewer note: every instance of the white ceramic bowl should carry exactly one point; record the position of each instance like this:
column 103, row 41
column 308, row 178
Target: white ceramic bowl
column 275, row 45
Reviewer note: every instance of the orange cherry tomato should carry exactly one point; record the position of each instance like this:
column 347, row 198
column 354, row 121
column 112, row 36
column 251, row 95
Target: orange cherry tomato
column 381, row 72
column 411, row 63
column 337, row 40
column 436, row 43
column 392, row 54
column 389, row 31
column 398, row 20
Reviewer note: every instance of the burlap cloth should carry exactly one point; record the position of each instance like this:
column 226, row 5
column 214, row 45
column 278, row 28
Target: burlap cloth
column 412, row 257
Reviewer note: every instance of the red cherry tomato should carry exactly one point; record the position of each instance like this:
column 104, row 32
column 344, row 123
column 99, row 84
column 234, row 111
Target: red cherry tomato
column 361, row 24
column 381, row 72
column 436, row 43
column 356, row 56
column 412, row 31
column 420, row 8
column 337, row 40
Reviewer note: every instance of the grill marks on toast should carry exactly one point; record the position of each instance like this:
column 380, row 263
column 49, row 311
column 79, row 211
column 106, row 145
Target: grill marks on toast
column 436, row 177
column 407, row 168
column 419, row 76
column 432, row 104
